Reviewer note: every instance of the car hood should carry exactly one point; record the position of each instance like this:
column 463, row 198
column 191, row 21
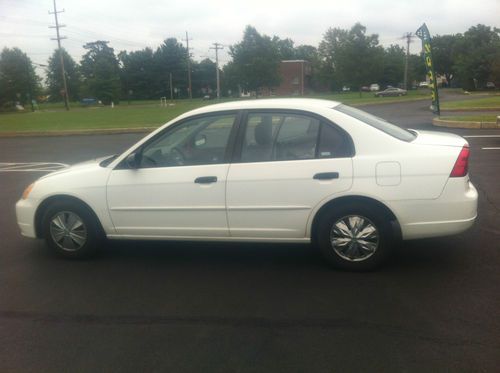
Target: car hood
column 438, row 138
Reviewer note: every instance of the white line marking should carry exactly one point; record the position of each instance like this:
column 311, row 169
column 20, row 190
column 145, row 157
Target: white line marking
column 31, row 166
column 494, row 148
column 481, row 136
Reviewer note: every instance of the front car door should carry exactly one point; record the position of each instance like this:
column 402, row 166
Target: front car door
column 287, row 162
column 177, row 186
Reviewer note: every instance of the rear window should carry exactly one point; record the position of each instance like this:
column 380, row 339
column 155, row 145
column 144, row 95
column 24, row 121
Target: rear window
column 378, row 123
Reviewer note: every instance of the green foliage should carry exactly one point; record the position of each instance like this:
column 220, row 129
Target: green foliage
column 351, row 57
column 170, row 58
column 101, row 72
column 54, row 77
column 256, row 60
column 478, row 53
column 138, row 74
column 18, row 79
column 393, row 66
column 203, row 77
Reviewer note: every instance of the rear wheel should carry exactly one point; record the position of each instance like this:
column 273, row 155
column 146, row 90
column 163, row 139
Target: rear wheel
column 355, row 237
column 71, row 230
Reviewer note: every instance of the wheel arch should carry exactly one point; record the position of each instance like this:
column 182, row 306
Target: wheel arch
column 342, row 201
column 44, row 205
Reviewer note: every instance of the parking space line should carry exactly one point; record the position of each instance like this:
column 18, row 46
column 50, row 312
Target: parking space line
column 478, row 136
column 491, row 148
column 31, row 166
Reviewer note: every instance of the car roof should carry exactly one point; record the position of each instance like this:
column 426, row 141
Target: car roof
column 268, row 103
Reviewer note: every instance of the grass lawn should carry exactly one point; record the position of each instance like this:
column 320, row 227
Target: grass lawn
column 53, row 117
column 492, row 101
column 471, row 118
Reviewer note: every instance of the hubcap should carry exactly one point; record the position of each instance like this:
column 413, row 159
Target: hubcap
column 354, row 238
column 68, row 231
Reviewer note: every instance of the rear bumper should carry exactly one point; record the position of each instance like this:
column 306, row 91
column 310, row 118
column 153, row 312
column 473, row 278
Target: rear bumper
column 453, row 212
column 25, row 214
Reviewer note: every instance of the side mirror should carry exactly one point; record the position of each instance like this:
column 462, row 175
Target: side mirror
column 133, row 160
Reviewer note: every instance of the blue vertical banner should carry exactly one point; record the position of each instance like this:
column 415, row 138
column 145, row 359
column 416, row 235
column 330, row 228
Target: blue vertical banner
column 424, row 34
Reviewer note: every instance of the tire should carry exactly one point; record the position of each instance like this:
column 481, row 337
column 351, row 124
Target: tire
column 71, row 230
column 365, row 252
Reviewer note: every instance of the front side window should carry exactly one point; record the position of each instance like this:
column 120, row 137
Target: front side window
column 286, row 137
column 197, row 141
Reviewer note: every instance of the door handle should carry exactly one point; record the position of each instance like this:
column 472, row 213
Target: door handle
column 205, row 180
column 326, row 176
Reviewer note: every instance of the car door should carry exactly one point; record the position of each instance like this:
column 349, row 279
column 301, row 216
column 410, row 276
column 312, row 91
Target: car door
column 176, row 184
column 286, row 164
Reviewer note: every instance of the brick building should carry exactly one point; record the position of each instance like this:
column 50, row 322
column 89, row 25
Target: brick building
column 295, row 78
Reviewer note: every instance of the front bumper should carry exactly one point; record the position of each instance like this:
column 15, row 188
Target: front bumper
column 25, row 214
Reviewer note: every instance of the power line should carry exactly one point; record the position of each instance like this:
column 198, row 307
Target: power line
column 217, row 46
column 58, row 38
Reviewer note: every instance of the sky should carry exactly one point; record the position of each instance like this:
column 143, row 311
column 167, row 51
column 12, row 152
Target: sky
column 133, row 24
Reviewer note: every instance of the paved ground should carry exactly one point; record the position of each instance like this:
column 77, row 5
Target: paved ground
column 248, row 308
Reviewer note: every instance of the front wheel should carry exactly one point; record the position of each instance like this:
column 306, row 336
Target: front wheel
column 355, row 237
column 71, row 230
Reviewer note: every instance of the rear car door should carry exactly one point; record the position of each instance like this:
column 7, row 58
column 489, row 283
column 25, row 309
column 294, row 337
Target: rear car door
column 286, row 163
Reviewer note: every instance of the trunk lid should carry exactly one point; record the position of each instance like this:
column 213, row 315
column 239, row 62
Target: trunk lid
column 438, row 138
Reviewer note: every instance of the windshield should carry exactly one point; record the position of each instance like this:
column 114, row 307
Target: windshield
column 378, row 123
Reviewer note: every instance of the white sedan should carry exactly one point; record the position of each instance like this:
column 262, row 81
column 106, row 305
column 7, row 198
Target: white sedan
column 277, row 170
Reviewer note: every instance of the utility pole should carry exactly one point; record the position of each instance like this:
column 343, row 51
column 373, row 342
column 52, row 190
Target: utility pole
column 408, row 36
column 217, row 46
column 189, row 65
column 171, row 88
column 58, row 38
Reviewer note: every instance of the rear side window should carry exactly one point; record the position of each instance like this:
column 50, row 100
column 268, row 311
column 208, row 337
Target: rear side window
column 378, row 123
column 285, row 137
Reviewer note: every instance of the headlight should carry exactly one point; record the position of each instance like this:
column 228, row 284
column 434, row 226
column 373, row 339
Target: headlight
column 27, row 191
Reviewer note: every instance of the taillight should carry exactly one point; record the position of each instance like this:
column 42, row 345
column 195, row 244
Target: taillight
column 462, row 164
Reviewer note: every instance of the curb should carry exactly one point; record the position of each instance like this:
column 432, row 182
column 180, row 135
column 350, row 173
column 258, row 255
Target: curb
column 464, row 124
column 97, row 131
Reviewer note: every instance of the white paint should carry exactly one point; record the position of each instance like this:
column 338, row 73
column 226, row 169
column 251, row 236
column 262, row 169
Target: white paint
column 31, row 166
column 491, row 148
column 478, row 136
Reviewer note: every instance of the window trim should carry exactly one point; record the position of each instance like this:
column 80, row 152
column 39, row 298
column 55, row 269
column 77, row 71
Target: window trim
column 229, row 148
column 238, row 146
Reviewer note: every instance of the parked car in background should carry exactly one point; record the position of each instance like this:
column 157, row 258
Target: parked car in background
column 391, row 92
column 365, row 88
column 276, row 170
column 490, row 85
column 374, row 87
column 423, row 85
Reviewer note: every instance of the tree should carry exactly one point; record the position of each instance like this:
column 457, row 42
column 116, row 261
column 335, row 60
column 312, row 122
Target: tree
column 393, row 66
column 54, row 78
column 138, row 74
column 255, row 61
column 444, row 53
column 477, row 52
column 351, row 57
column 170, row 58
column 18, row 79
column 101, row 72
column 204, row 77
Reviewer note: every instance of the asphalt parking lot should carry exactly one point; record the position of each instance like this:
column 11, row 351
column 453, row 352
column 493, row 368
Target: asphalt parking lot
column 173, row 307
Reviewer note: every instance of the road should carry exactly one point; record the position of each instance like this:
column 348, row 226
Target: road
column 185, row 307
